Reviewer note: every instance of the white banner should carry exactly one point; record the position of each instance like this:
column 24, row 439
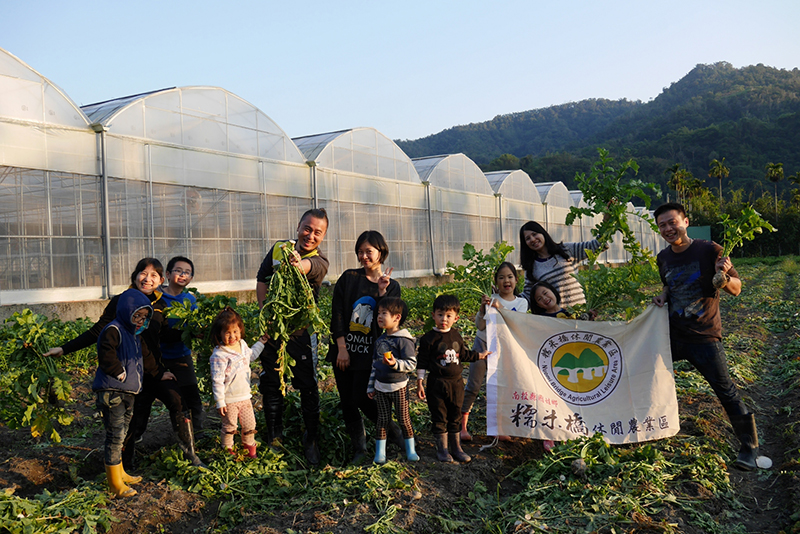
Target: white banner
column 560, row 378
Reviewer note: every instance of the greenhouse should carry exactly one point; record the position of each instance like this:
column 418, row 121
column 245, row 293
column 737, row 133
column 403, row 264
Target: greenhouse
column 198, row 171
column 366, row 182
column 463, row 208
column 519, row 202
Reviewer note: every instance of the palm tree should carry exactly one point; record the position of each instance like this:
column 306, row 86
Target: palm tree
column 717, row 169
column 775, row 175
column 678, row 180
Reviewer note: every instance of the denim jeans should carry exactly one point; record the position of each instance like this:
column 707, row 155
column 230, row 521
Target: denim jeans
column 709, row 360
column 116, row 407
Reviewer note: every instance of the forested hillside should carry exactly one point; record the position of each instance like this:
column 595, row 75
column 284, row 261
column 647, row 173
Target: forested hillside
column 750, row 116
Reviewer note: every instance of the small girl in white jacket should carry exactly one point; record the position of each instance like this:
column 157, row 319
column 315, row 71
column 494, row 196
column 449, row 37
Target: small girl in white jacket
column 230, row 378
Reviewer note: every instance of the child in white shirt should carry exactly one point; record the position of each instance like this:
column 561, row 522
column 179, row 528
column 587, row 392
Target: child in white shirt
column 230, row 378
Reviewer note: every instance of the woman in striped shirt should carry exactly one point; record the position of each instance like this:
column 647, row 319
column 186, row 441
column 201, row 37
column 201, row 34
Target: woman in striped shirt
column 544, row 260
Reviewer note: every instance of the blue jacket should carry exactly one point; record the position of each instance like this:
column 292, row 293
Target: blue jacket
column 401, row 345
column 119, row 347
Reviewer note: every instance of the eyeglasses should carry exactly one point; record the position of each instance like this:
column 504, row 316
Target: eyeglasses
column 140, row 316
column 179, row 272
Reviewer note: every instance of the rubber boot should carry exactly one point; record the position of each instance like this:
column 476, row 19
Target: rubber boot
column 129, row 454
column 273, row 413
column 309, row 405
column 115, row 483
column 129, row 479
column 465, row 435
column 411, row 453
column 745, row 428
column 186, row 442
column 455, row 449
column 442, row 454
column 358, row 439
column 251, row 450
column 310, row 448
column 380, row 451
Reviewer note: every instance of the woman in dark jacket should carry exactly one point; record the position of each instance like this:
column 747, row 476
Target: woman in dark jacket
column 354, row 330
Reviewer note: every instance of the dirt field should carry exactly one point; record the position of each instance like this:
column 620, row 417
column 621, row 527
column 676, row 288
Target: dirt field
column 763, row 502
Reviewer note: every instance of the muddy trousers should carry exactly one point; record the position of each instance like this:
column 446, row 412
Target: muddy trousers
column 116, row 408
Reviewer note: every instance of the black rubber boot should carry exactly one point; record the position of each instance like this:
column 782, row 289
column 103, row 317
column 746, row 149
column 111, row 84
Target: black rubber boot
column 309, row 405
column 129, row 455
column 455, row 448
column 311, row 448
column 273, row 414
column 186, row 442
column 442, row 454
column 744, row 426
column 358, row 439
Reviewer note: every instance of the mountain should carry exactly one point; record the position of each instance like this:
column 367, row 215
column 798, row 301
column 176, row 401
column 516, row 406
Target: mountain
column 535, row 132
column 749, row 115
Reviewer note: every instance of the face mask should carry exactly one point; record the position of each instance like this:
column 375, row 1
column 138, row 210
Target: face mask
column 142, row 328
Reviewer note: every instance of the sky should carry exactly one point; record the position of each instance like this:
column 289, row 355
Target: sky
column 407, row 68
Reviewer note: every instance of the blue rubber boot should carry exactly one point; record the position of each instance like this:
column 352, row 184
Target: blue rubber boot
column 411, row 453
column 380, row 451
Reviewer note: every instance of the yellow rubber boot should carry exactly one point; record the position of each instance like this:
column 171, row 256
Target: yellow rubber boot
column 115, row 483
column 129, row 479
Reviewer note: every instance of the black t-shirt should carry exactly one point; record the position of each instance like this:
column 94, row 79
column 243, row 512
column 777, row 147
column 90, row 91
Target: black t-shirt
column 693, row 300
column 441, row 353
column 319, row 267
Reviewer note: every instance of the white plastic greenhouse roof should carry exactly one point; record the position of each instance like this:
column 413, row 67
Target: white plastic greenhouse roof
column 515, row 184
column 204, row 118
column 555, row 194
column 100, row 112
column 454, row 171
column 577, row 198
column 29, row 96
column 363, row 151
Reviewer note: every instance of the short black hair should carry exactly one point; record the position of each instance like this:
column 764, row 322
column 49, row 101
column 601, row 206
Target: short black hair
column 171, row 263
column 395, row 306
column 374, row 238
column 447, row 303
column 317, row 213
column 669, row 206
column 143, row 264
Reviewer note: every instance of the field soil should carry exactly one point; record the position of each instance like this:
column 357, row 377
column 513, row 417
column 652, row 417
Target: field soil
column 768, row 500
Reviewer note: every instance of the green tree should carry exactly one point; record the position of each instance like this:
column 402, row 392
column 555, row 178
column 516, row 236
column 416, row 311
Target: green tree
column 718, row 170
column 504, row 162
column 679, row 180
column 795, row 201
column 775, row 174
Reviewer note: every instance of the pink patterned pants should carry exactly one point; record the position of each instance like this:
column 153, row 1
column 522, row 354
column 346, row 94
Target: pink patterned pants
column 243, row 413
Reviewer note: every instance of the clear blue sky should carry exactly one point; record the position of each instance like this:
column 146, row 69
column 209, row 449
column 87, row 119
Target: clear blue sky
column 407, row 68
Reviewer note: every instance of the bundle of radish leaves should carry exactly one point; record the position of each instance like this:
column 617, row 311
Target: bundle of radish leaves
column 736, row 231
column 289, row 307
